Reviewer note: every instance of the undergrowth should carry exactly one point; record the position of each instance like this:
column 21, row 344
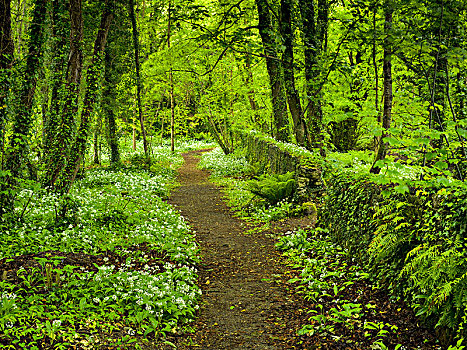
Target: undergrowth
column 111, row 265
column 235, row 174
column 413, row 243
column 346, row 310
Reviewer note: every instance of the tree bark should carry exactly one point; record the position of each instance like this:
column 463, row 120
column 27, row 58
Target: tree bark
column 251, row 90
column 387, row 87
column 23, row 116
column 314, row 33
column 138, row 75
column 322, row 24
column 60, row 129
column 171, row 82
column 109, row 97
column 7, row 51
column 67, row 176
column 293, row 98
column 273, row 64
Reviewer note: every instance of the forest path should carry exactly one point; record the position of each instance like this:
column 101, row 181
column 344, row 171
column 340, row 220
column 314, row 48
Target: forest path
column 246, row 303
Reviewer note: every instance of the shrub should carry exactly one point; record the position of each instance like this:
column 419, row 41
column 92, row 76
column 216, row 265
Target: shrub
column 414, row 242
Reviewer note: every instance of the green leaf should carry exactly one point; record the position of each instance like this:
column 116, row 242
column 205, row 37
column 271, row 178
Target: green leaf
column 441, row 165
column 401, row 188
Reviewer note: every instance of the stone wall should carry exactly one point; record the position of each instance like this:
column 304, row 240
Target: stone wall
column 274, row 159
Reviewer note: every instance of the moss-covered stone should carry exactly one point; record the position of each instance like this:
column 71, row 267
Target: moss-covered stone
column 279, row 158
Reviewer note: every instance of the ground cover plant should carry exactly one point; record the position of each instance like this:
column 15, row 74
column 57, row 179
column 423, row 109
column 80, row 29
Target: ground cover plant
column 116, row 268
column 349, row 303
column 238, row 176
column 346, row 309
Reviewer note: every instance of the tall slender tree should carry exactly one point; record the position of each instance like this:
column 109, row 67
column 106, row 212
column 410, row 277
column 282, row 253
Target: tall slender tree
column 274, row 68
column 314, row 29
column 387, row 85
column 68, row 174
column 171, row 82
column 131, row 10
column 61, row 126
column 108, row 106
column 7, row 50
column 293, row 98
column 23, row 115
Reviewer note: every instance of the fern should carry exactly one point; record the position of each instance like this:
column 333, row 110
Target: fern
column 273, row 188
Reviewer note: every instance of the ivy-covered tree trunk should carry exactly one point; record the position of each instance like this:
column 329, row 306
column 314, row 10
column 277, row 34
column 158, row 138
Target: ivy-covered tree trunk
column 108, row 98
column 59, row 49
column 23, row 116
column 387, row 86
column 6, row 58
column 315, row 40
column 293, row 98
column 95, row 142
column 60, row 127
column 7, row 50
column 138, row 75
column 67, row 176
column 171, row 83
column 274, row 68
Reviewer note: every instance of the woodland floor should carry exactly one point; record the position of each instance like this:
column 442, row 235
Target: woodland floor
column 247, row 302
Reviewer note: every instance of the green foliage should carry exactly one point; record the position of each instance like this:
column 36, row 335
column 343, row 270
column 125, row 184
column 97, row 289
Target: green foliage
column 222, row 165
column 413, row 241
column 142, row 282
column 237, row 189
column 273, row 188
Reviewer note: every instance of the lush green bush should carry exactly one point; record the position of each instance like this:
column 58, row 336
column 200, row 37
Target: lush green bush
column 415, row 242
column 239, row 196
column 222, row 165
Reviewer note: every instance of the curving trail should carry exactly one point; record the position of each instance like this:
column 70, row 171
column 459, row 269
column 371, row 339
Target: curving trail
column 246, row 303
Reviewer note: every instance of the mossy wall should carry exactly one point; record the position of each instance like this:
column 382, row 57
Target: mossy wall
column 274, row 158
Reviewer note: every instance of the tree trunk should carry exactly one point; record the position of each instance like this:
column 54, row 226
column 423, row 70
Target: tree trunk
column 58, row 47
column 387, row 86
column 251, row 91
column 171, row 82
column 322, row 24
column 67, row 176
column 23, row 116
column 60, row 128
column 7, row 51
column 293, row 98
column 138, row 75
column 312, row 34
column 375, row 68
column 109, row 97
column 273, row 64
column 96, row 143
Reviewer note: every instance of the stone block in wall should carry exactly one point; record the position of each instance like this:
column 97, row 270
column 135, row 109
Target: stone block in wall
column 309, row 182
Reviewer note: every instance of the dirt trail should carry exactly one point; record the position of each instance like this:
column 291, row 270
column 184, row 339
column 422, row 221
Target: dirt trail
column 245, row 304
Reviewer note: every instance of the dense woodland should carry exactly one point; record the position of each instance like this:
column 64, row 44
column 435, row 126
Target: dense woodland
column 375, row 91
column 338, row 76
